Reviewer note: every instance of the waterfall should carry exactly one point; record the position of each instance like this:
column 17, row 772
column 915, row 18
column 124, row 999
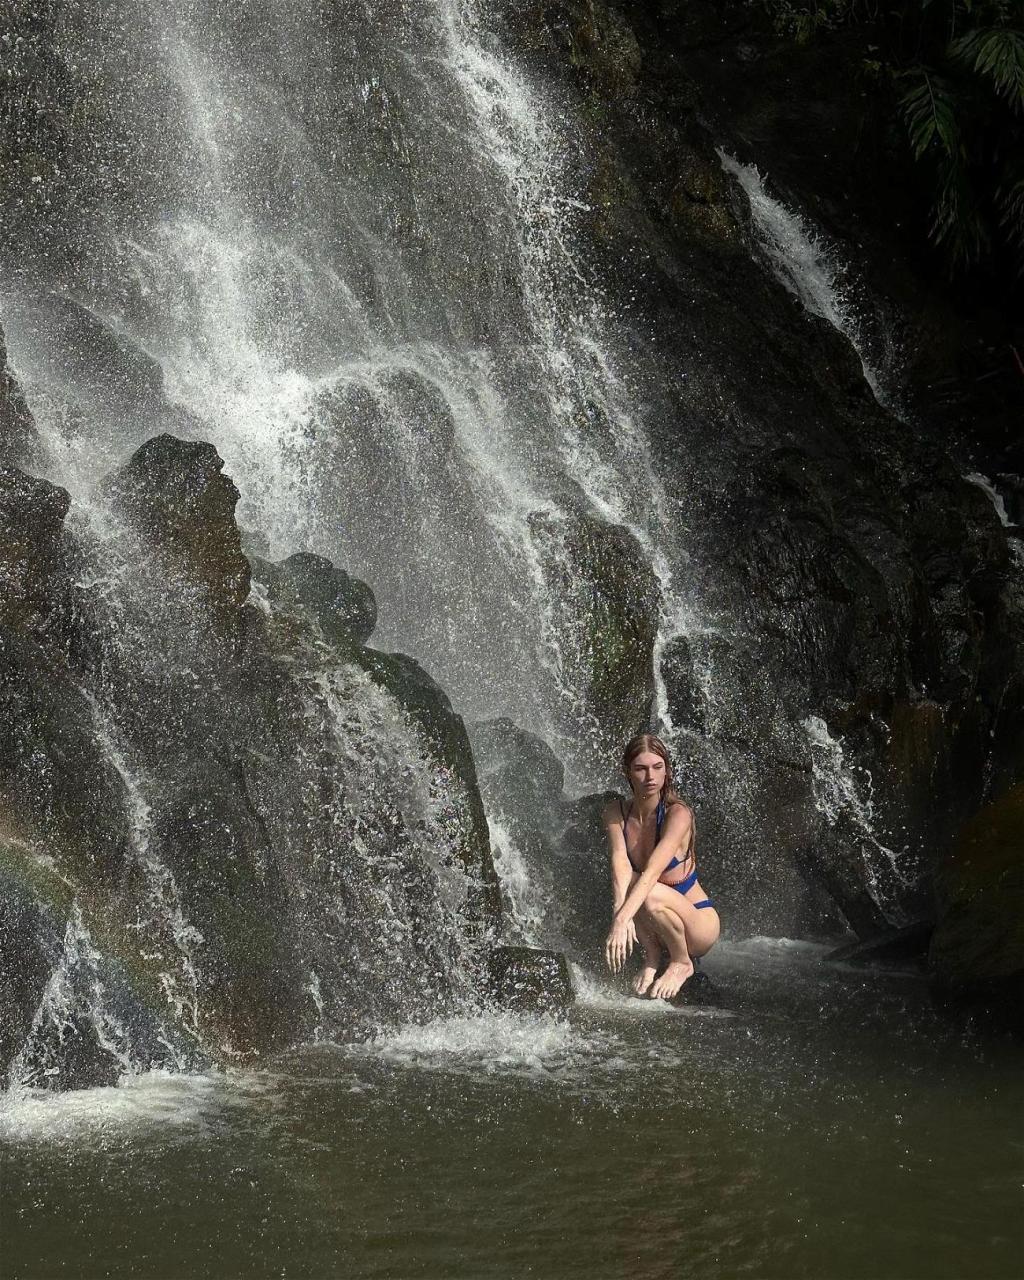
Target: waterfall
column 812, row 271
column 845, row 792
column 75, row 995
column 492, row 400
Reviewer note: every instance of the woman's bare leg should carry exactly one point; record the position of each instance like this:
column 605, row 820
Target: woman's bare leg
column 648, row 938
column 680, row 966
column 686, row 931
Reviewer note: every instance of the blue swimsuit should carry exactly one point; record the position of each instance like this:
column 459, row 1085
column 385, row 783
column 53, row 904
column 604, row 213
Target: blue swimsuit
column 684, row 885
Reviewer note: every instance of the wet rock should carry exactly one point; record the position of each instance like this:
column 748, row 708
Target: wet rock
column 687, row 707
column 699, row 204
column 600, row 572
column 343, row 606
column 592, row 36
column 35, row 555
column 559, row 843
column 528, row 980
column 426, row 703
column 233, row 893
column 175, row 493
column 907, row 945
column 31, row 932
column 977, row 949
column 17, row 430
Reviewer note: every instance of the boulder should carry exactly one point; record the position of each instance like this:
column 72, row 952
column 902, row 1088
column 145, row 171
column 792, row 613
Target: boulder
column 560, row 842
column 344, row 606
column 429, row 707
column 175, row 495
column 600, row 572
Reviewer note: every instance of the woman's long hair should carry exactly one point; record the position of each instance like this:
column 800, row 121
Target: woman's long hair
column 650, row 742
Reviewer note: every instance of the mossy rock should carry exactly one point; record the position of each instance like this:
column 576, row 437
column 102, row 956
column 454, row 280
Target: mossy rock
column 977, row 950
column 430, row 709
column 602, row 575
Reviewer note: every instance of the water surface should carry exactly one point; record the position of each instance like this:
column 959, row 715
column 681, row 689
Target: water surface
column 809, row 1121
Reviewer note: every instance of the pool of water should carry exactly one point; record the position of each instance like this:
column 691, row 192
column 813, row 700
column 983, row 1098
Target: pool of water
column 808, row 1121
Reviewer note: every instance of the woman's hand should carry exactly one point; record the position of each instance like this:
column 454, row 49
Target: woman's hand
column 619, row 943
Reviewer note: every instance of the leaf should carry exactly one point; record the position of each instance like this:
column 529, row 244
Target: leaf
column 930, row 113
column 997, row 54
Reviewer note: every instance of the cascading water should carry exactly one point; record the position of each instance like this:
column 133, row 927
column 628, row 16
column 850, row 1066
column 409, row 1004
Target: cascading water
column 318, row 363
column 841, row 794
column 164, row 924
column 809, row 269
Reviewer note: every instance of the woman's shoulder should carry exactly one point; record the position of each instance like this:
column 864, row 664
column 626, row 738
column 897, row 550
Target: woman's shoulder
column 677, row 806
column 613, row 809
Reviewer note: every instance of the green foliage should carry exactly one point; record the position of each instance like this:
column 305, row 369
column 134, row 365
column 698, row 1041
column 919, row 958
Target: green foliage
column 957, row 72
column 997, row 54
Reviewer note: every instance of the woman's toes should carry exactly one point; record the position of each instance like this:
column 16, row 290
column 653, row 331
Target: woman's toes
column 644, row 979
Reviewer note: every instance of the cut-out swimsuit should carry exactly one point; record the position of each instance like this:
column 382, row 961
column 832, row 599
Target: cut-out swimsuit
column 683, row 886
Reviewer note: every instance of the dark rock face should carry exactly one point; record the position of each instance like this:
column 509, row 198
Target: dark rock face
column 526, row 980
column 977, row 949
column 343, row 606
column 35, row 556
column 604, row 579
column 853, row 578
column 17, row 430
column 175, row 493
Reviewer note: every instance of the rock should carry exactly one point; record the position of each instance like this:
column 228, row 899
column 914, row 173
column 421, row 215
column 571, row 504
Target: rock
column 31, row 932
column 560, row 843
column 687, row 704
column 528, row 980
column 17, row 430
column 600, row 572
column 977, row 949
column 175, row 494
column 35, row 555
column 907, row 945
column 699, row 205
column 234, row 894
column 344, row 607
column 426, row 703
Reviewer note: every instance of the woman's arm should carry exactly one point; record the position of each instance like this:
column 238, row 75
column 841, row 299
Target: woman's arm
column 674, row 835
column 621, row 938
column 621, row 870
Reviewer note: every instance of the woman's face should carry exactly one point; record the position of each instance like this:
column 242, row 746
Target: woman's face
column 646, row 774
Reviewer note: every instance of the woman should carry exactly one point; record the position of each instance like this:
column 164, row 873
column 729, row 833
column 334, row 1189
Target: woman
column 658, row 899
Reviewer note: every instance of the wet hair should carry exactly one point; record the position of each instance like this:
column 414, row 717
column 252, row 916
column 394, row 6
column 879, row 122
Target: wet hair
column 651, row 742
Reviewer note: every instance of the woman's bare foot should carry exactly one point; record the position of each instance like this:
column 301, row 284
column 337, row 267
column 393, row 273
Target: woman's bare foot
column 671, row 981
column 645, row 977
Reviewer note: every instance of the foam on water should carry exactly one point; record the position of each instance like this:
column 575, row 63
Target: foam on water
column 152, row 1100
column 610, row 996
